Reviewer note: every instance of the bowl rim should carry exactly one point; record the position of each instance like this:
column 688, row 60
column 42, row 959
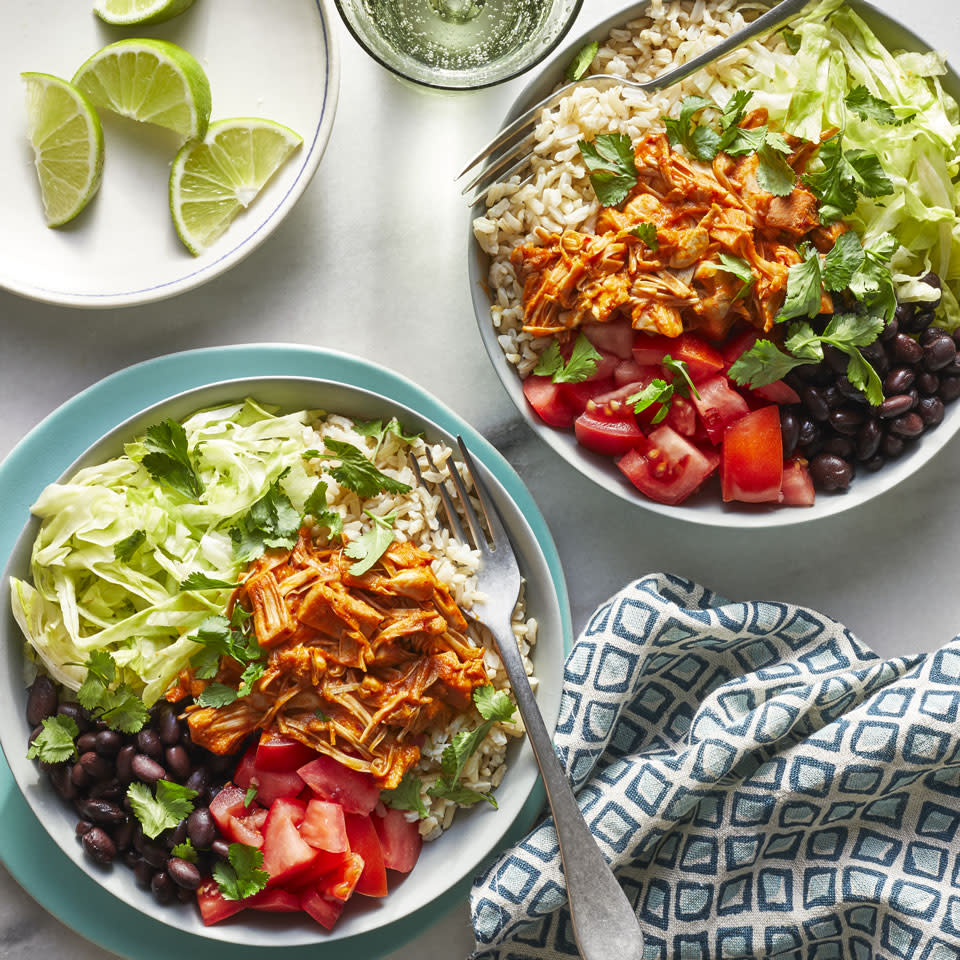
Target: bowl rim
column 400, row 928
column 349, row 23
column 703, row 508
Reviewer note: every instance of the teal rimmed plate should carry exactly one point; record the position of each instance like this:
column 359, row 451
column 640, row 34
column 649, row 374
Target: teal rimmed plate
column 38, row 844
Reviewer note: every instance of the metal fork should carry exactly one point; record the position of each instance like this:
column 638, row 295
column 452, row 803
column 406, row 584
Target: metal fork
column 604, row 923
column 512, row 148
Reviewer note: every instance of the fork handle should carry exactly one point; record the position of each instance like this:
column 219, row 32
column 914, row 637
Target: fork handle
column 604, row 923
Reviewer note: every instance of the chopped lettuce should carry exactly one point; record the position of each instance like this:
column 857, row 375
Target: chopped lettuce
column 85, row 597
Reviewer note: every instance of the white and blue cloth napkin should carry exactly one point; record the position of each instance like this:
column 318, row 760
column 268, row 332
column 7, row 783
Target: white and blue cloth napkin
column 763, row 784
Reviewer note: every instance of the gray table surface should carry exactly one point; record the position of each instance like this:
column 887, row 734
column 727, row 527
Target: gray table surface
column 372, row 261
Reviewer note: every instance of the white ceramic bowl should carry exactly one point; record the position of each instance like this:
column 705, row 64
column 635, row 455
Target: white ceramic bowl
column 705, row 507
column 278, row 60
column 368, row 927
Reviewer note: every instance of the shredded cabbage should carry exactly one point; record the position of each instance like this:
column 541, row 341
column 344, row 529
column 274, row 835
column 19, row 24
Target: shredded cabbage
column 804, row 93
column 84, row 598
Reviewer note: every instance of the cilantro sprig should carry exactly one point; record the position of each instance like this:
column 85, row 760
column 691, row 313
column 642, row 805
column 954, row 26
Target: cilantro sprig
column 579, row 65
column 357, row 472
column 611, row 165
column 243, row 875
column 56, row 741
column 272, row 522
column 581, row 366
column 406, row 795
column 662, row 392
column 843, row 176
column 117, row 704
column 369, row 547
column 168, row 460
column 123, row 550
column 495, row 706
column 172, row 803
column 868, row 107
column 219, row 637
column 647, row 232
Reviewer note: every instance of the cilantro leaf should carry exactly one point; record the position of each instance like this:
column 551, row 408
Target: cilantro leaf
column 861, row 374
column 803, row 342
column 682, row 381
column 803, row 289
column 763, row 363
column 200, row 581
column 242, row 877
column 578, row 66
column 55, row 742
column 842, row 262
column 123, row 710
column 251, row 674
column 270, row 522
column 185, row 851
column 249, row 796
column 791, row 38
column 369, row 547
column 681, row 131
column 738, row 141
column 868, row 107
column 844, row 175
column 872, row 284
column 852, row 329
column 734, row 111
column 220, row 638
column 646, row 232
column 316, row 507
column 168, row 460
column 358, row 473
column 123, row 550
column 494, row 705
column 868, row 173
column 406, row 795
column 657, row 391
column 101, row 672
column 217, row 695
column 172, row 803
column 581, row 365
column 740, row 269
column 613, row 171
column 459, row 794
column 774, row 174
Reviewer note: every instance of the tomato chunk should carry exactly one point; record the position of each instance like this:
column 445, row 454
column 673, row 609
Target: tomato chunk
column 611, row 436
column 364, row 841
column 777, row 392
column 214, row 906
column 578, row 395
column 400, row 840
column 226, row 805
column 612, row 336
column 248, row 827
column 354, row 790
column 718, row 406
column 325, row 910
column 277, row 753
column 285, row 852
column 325, row 901
column 797, row 485
column 270, row 784
column 752, row 467
column 701, row 359
column 668, row 468
column 548, row 401
column 324, row 827
column 274, row 901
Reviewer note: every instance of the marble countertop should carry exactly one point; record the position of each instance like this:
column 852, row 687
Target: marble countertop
column 373, row 261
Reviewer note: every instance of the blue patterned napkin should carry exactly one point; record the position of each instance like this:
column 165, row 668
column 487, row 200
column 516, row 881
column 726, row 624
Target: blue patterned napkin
column 763, row 783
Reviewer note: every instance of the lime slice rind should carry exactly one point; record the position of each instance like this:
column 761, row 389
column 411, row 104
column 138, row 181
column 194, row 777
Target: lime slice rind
column 128, row 13
column 152, row 81
column 67, row 140
column 212, row 181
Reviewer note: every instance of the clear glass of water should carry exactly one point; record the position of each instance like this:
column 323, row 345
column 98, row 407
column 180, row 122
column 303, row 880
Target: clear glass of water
column 458, row 44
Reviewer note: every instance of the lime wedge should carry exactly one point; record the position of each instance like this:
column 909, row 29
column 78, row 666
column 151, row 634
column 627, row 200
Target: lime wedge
column 153, row 81
column 67, row 140
column 213, row 179
column 126, row 13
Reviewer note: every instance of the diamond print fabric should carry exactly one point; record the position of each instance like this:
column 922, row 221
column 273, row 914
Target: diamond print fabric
column 763, row 783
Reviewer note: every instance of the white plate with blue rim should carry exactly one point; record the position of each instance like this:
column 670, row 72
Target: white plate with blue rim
column 278, row 60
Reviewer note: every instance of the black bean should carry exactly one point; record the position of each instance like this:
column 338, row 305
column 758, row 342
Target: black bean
column 147, row 770
column 908, row 425
column 905, row 349
column 220, row 849
column 949, row 389
column 868, row 440
column 815, row 403
column 898, row 380
column 110, row 789
column 148, row 742
column 891, row 329
column 184, row 895
column 131, row 858
column 894, row 406
column 99, row 845
column 932, row 280
column 62, row 780
column 41, row 701
column 201, row 828
column 83, row 826
column 77, row 714
column 86, row 742
column 809, row 432
column 108, row 742
column 177, row 835
column 832, row 396
column 874, row 463
column 183, row 873
column 96, row 766
column 839, row 445
column 847, row 420
column 168, row 727
column 939, row 353
column 931, row 411
column 849, row 390
column 143, row 873
column 921, row 320
column 928, row 383
column 830, row 472
column 79, row 776
column 161, row 887
column 903, row 317
column 220, row 762
column 931, row 334
column 789, row 431
column 138, row 839
column 103, row 811
column 177, row 761
column 836, row 359
column 123, row 834
column 125, row 762
column 951, row 369
column 199, row 781
column 155, row 854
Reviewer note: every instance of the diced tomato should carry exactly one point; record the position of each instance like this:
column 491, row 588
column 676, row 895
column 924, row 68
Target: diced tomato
column 354, row 790
column 797, row 485
column 610, row 435
column 736, row 346
column 400, row 840
column 245, row 768
column 274, row 900
column 270, row 784
column 323, row 865
column 702, row 360
column 548, row 401
column 777, row 392
column 752, row 467
column 577, row 395
column 276, row 753
column 214, row 906
column 343, row 880
column 364, row 841
column 325, row 910
column 228, row 803
column 719, row 405
column 682, row 416
column 614, row 337
column 324, row 828
column 629, row 371
column 668, row 468
column 285, row 852
column 248, row 828
column 324, row 901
